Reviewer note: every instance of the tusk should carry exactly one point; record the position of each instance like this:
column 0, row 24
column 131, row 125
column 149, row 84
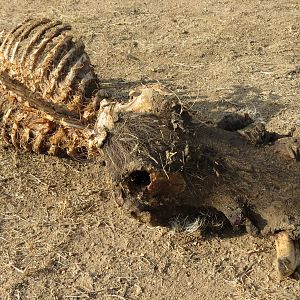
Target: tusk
column 287, row 254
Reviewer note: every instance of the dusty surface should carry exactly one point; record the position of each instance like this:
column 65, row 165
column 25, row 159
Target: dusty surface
column 61, row 237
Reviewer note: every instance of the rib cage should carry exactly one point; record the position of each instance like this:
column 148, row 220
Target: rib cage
column 47, row 88
column 43, row 56
column 27, row 128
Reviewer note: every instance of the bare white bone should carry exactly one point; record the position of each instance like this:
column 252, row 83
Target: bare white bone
column 109, row 112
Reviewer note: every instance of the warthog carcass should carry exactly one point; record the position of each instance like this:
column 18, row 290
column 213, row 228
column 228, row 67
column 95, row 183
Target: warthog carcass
column 162, row 161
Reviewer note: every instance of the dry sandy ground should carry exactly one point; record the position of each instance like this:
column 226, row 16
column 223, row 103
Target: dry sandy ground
column 61, row 237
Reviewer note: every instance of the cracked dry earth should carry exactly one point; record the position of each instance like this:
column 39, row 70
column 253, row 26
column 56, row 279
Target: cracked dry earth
column 61, row 236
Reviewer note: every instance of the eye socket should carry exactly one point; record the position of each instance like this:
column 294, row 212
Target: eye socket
column 139, row 179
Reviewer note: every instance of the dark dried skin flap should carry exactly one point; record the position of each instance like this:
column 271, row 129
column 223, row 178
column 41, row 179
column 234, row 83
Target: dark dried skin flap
column 226, row 172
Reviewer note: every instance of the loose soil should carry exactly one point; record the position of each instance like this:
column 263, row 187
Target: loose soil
column 62, row 237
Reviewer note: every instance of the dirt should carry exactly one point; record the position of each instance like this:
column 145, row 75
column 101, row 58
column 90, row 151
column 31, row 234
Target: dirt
column 61, row 235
